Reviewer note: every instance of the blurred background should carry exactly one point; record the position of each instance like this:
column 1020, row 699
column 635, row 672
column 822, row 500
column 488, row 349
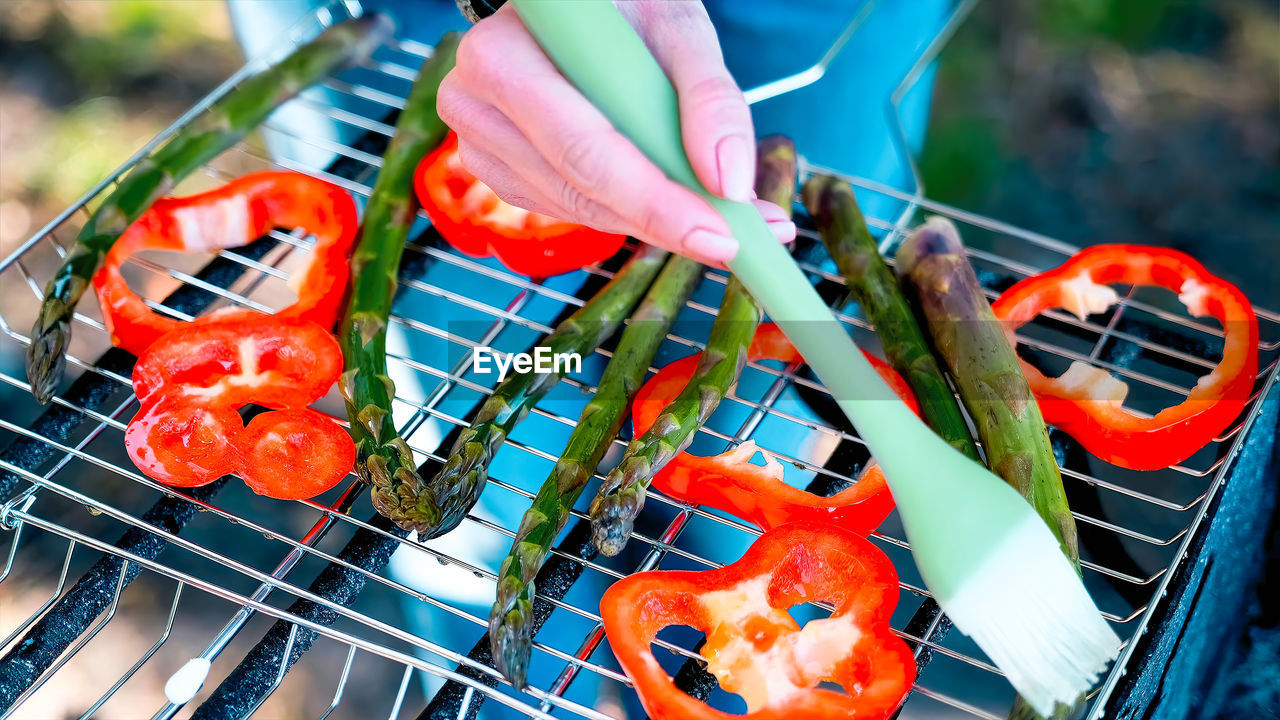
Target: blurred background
column 86, row 83
column 1087, row 120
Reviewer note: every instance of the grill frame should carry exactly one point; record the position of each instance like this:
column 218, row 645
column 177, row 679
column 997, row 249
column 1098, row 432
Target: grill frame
column 19, row 513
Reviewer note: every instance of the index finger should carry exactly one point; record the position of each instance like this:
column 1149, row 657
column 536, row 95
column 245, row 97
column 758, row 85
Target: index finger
column 597, row 161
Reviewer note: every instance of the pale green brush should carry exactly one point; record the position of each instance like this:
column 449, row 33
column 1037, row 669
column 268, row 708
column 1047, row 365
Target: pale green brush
column 988, row 559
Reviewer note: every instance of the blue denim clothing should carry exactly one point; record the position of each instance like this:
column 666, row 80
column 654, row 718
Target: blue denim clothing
column 843, row 122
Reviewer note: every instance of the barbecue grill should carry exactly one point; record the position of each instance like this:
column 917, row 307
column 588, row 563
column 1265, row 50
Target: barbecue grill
column 67, row 491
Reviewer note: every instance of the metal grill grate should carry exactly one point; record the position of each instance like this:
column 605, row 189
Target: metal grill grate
column 1134, row 526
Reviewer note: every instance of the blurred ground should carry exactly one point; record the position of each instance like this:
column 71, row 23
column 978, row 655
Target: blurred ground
column 83, row 85
column 87, row 83
column 1154, row 122
column 1096, row 121
column 1087, row 120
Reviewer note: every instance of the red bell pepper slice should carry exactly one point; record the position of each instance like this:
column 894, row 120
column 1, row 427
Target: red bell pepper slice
column 1087, row 403
column 190, row 383
column 480, row 224
column 755, row 493
column 754, row 647
column 230, row 216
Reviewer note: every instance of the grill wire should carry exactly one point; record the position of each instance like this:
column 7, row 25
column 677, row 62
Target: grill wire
column 66, row 459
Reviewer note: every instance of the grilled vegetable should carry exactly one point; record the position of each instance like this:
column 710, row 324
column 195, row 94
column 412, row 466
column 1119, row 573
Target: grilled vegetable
column 758, row 494
column 776, row 171
column 231, row 216
column 479, row 223
column 844, row 231
column 510, row 618
column 190, row 383
column 1087, row 403
column 383, row 459
column 445, row 500
column 216, row 129
column 987, row 373
column 622, row 494
column 754, row 647
column 986, row 570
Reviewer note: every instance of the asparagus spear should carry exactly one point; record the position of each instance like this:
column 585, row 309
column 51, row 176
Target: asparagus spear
column 991, row 384
column 219, row 127
column 833, row 206
column 985, row 367
column 776, row 171
column 509, row 621
column 622, row 494
column 383, row 460
column 440, row 504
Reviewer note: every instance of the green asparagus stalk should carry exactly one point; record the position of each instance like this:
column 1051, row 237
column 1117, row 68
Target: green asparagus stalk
column 835, row 209
column 443, row 502
column 985, row 367
column 991, row 384
column 622, row 494
column 383, row 459
column 844, row 231
column 219, row 127
column 510, row 630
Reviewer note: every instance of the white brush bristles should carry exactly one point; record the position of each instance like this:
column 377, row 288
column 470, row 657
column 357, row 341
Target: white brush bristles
column 1027, row 609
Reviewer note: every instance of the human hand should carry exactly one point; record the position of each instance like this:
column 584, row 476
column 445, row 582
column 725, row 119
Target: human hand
column 528, row 134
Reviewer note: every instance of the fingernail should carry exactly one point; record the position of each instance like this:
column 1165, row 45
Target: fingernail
column 772, row 213
column 734, row 162
column 711, row 246
column 784, row 230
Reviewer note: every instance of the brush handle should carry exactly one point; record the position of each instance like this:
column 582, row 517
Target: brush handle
column 599, row 52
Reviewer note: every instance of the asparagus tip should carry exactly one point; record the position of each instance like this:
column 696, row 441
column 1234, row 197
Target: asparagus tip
column 779, row 146
column 510, row 637
column 776, row 171
column 46, row 358
column 813, row 188
column 937, row 236
column 826, row 196
column 613, row 517
column 449, row 497
column 448, row 522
